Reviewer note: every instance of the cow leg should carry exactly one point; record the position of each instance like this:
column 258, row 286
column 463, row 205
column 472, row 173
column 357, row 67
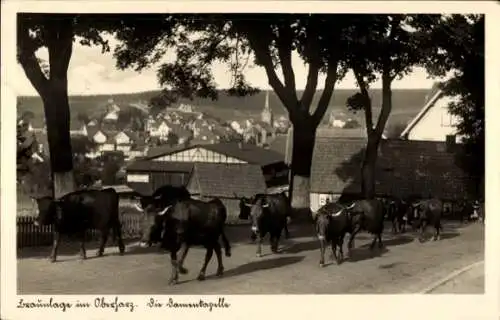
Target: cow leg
column 380, row 243
column 334, row 245
column 372, row 245
column 423, row 226
column 83, row 253
column 227, row 246
column 55, row 246
column 260, row 239
column 117, row 232
column 218, row 254
column 394, row 226
column 104, row 239
column 275, row 243
column 341, row 250
column 208, row 256
column 174, row 277
column 437, row 234
column 350, row 244
column 322, row 244
column 287, row 234
column 184, row 252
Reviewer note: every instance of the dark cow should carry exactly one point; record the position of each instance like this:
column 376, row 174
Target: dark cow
column 372, row 220
column 162, row 198
column 79, row 211
column 269, row 214
column 397, row 213
column 428, row 212
column 192, row 222
column 332, row 222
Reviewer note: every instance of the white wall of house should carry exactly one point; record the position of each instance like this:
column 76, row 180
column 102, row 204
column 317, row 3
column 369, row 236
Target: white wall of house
column 134, row 177
column 99, row 138
column 122, row 138
column 199, row 155
column 319, row 199
column 436, row 124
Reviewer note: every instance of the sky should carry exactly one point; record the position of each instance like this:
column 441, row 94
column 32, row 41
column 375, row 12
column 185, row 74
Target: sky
column 91, row 72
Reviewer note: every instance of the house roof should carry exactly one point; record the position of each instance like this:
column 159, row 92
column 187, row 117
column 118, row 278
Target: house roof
column 434, row 95
column 226, row 180
column 248, row 152
column 164, row 166
column 403, row 168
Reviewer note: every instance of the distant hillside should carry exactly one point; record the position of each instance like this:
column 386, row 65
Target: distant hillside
column 406, row 103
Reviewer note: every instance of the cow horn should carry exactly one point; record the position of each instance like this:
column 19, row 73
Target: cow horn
column 247, row 204
column 351, row 206
column 265, row 205
column 164, row 211
column 157, row 197
column 138, row 207
column 337, row 213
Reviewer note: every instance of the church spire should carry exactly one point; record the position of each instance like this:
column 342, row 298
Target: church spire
column 267, row 115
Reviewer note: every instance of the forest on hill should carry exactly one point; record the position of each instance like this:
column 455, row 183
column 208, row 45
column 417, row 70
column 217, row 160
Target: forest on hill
column 406, row 102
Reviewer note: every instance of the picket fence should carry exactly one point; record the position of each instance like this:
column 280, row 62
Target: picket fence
column 28, row 235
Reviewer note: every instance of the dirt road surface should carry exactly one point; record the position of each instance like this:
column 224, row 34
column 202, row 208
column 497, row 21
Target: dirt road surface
column 403, row 266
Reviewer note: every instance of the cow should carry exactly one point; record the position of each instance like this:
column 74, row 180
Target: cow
column 268, row 214
column 428, row 212
column 79, row 211
column 397, row 214
column 191, row 222
column 371, row 212
column 162, row 198
column 332, row 222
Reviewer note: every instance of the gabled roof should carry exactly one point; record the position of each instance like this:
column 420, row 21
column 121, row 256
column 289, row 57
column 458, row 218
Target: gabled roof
column 168, row 166
column 434, row 95
column 248, row 152
column 403, row 168
column 226, row 180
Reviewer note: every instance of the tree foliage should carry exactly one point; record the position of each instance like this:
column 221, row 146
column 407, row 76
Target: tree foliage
column 455, row 44
column 381, row 47
column 56, row 33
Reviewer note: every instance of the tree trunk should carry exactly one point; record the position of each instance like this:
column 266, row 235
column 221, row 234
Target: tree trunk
column 304, row 136
column 368, row 169
column 57, row 115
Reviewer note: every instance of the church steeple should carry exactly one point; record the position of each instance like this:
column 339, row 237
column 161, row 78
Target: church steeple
column 267, row 115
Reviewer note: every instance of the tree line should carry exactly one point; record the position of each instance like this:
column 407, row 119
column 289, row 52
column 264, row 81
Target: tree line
column 382, row 47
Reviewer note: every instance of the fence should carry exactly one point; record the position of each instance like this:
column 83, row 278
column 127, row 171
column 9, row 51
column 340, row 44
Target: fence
column 28, row 235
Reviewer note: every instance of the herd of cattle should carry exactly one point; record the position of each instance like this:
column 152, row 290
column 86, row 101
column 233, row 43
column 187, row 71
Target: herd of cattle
column 176, row 221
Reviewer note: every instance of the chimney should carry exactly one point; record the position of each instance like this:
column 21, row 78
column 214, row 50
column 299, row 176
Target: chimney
column 451, row 141
column 240, row 145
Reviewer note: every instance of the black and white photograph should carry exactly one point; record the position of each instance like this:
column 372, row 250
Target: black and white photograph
column 192, row 153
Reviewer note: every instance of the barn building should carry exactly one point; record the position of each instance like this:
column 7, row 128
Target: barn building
column 225, row 170
column 404, row 168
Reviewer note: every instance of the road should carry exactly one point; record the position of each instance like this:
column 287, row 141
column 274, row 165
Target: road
column 403, row 266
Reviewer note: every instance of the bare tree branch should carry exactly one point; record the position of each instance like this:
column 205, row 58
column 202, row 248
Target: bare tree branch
column 29, row 62
column 367, row 106
column 386, row 102
column 284, row 43
column 261, row 49
column 324, row 100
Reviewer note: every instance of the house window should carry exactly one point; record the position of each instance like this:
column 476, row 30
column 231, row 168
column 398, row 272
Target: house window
column 143, row 178
column 447, row 119
column 324, row 199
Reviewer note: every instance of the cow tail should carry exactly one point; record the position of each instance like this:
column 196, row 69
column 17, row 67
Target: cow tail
column 227, row 246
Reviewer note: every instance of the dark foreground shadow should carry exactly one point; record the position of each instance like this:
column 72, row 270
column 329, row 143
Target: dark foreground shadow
column 444, row 236
column 360, row 254
column 71, row 247
column 298, row 247
column 397, row 241
column 254, row 266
